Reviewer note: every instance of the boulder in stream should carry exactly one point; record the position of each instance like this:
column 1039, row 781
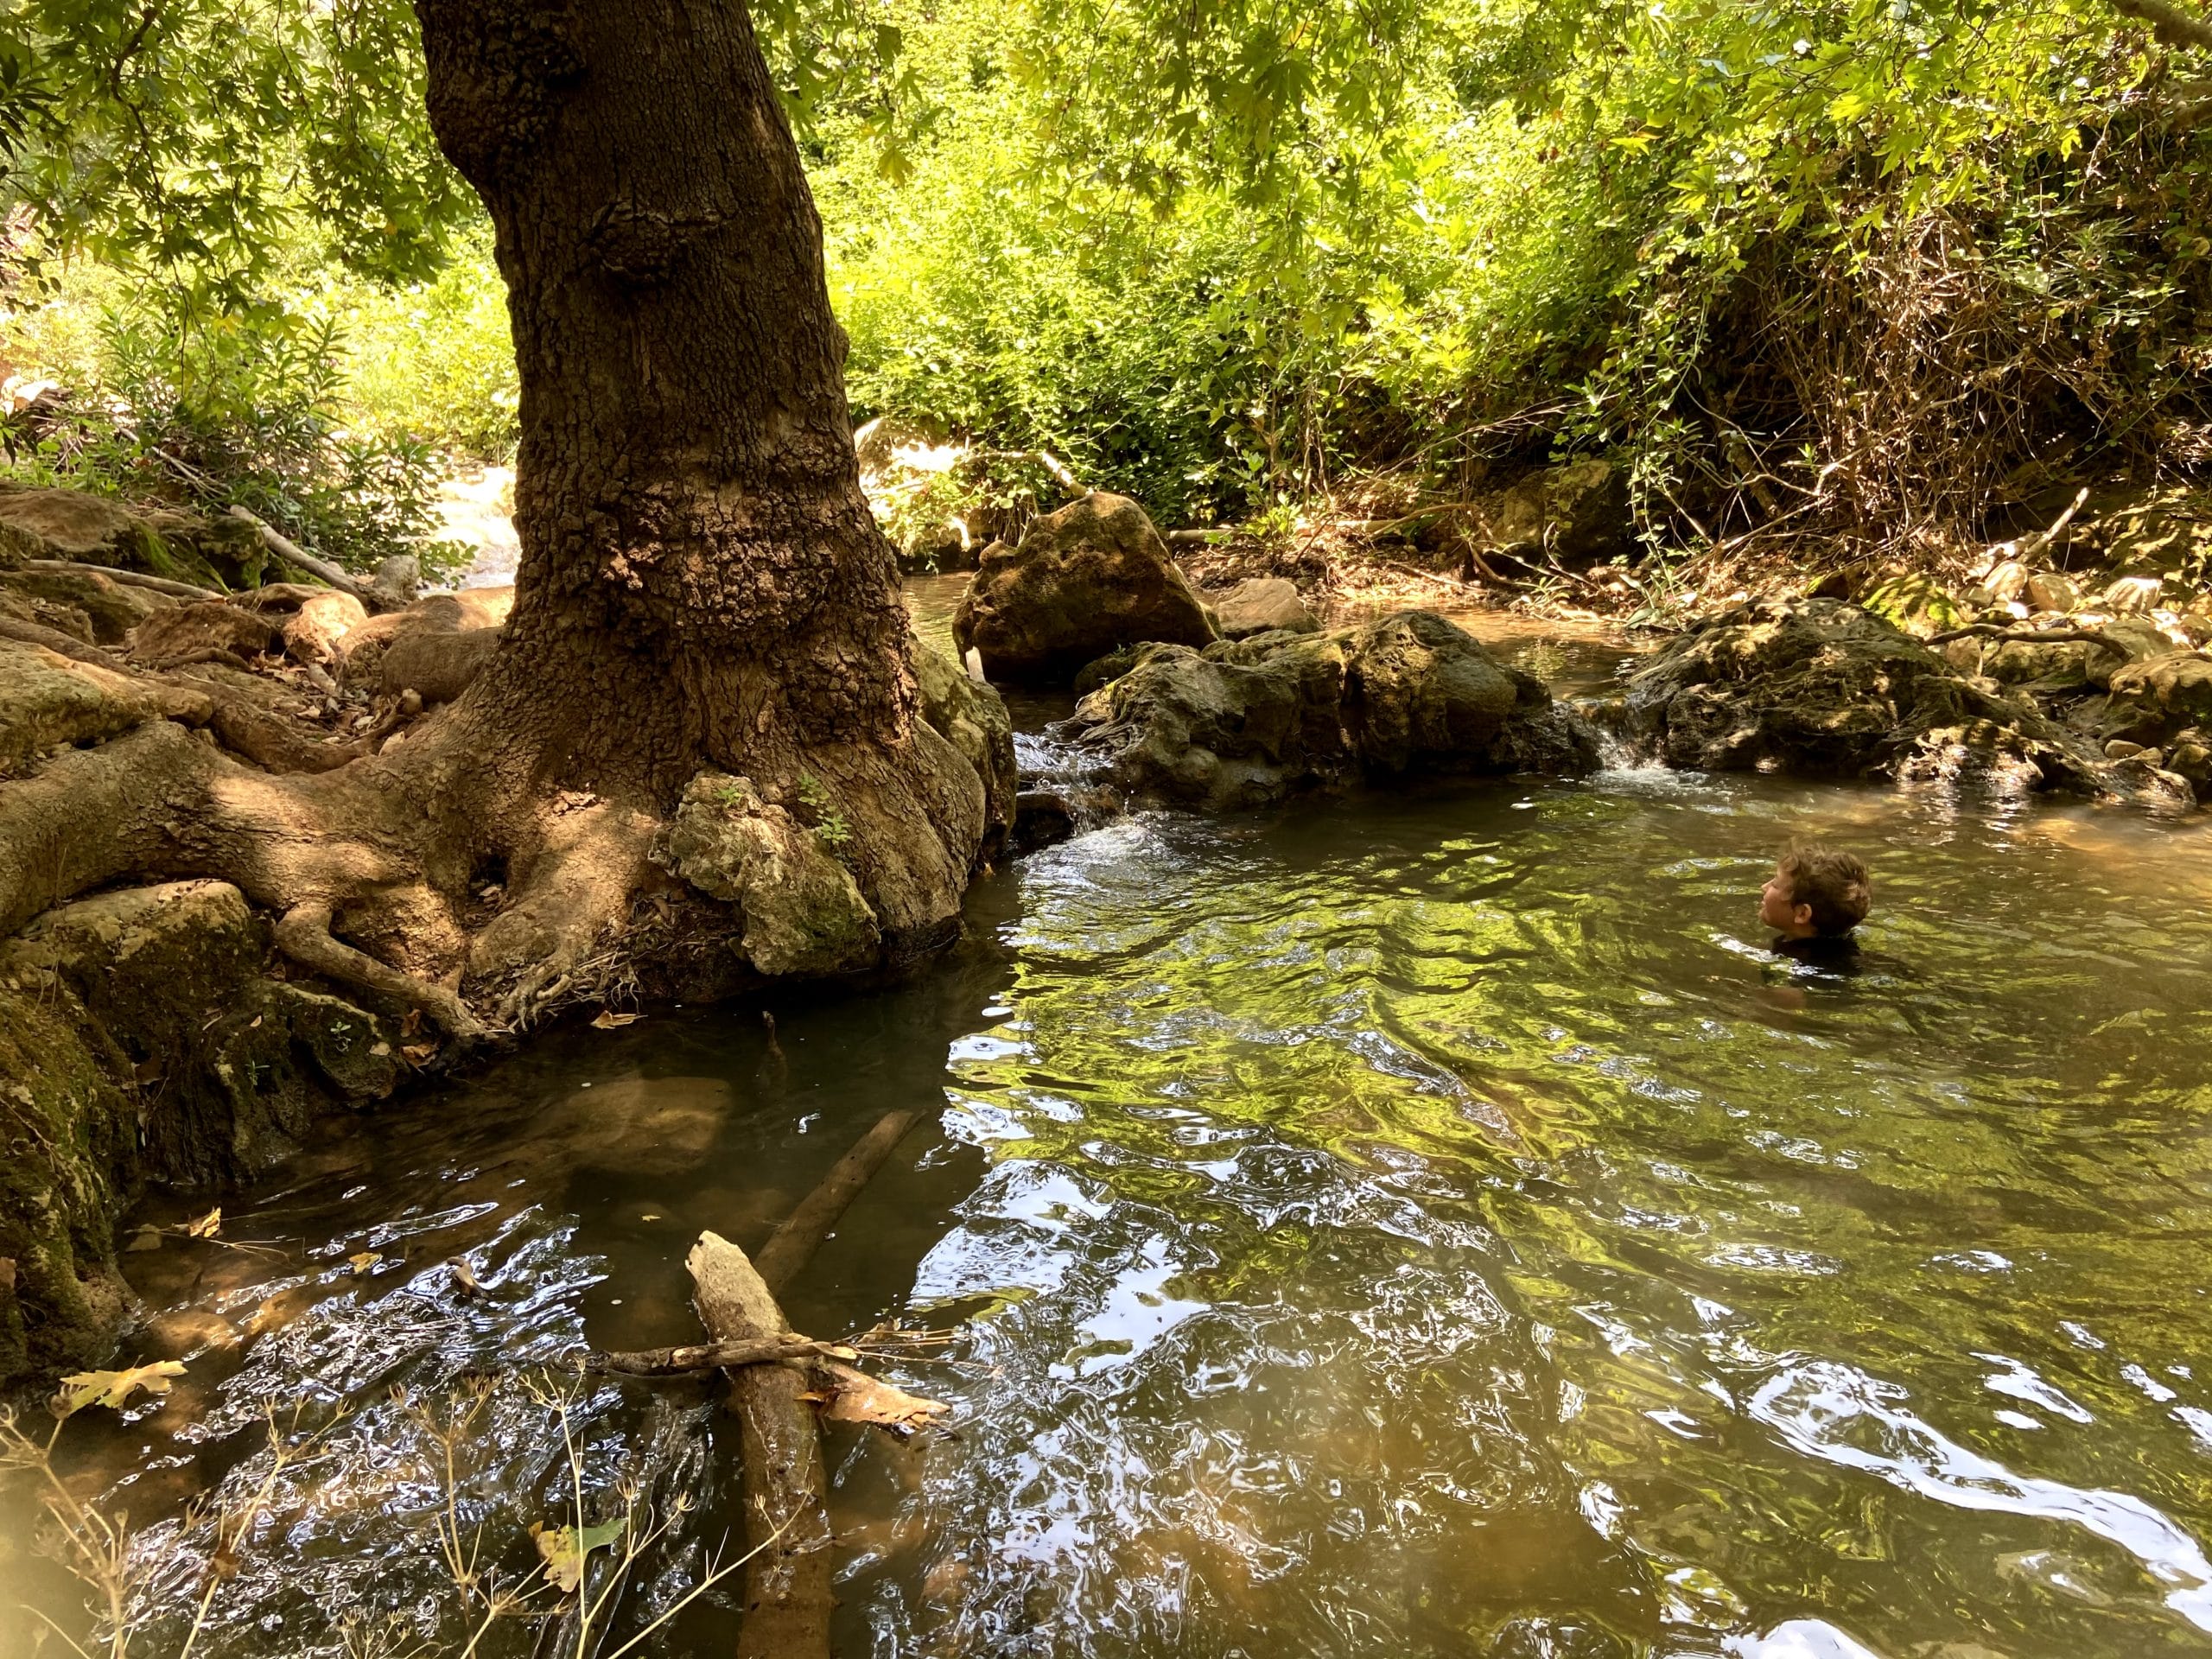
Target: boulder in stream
column 1248, row 722
column 1084, row 581
column 1821, row 688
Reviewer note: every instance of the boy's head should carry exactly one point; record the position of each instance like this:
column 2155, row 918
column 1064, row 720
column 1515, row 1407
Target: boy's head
column 1817, row 893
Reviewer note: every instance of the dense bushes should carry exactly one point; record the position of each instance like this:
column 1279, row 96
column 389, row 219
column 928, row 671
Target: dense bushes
column 1874, row 273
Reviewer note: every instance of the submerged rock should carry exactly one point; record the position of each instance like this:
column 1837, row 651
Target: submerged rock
column 1247, row 722
column 1822, row 689
column 1084, row 581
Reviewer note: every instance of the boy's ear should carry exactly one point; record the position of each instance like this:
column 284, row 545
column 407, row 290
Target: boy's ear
column 1802, row 915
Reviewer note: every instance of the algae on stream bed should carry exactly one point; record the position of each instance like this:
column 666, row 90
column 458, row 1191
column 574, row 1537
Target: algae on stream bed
column 1426, row 1225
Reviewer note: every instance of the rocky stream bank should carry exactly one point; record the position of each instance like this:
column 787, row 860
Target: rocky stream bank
column 173, row 1031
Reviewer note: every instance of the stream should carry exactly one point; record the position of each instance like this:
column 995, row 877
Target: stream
column 1422, row 1223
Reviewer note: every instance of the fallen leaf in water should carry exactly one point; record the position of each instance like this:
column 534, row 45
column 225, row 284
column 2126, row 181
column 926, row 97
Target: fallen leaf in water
column 610, row 1020
column 205, row 1226
column 859, row 1398
column 114, row 1389
column 565, row 1550
column 362, row 1260
column 464, row 1276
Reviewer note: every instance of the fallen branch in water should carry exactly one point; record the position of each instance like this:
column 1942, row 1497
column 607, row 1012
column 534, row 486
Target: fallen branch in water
column 787, row 1598
column 693, row 1359
column 792, row 1245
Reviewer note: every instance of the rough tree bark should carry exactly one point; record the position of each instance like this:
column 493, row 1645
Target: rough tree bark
column 701, row 585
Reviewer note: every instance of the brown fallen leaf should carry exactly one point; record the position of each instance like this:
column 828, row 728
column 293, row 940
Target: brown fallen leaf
column 859, row 1398
column 362, row 1260
column 114, row 1389
column 564, row 1549
column 464, row 1276
column 205, row 1226
column 610, row 1020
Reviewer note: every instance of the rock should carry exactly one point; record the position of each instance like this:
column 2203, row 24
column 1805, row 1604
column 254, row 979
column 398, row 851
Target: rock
column 972, row 718
column 216, row 553
column 46, row 700
column 181, row 631
column 139, row 1040
column 651, row 1127
column 1263, row 604
column 2049, row 591
column 2133, row 595
column 2156, row 699
column 2189, row 757
column 2064, row 665
column 1578, row 513
column 400, row 577
column 1248, row 722
column 1086, row 580
column 799, row 909
column 1821, row 688
column 2007, row 579
column 1042, row 819
column 1108, row 668
column 2120, row 749
column 437, row 665
column 111, row 609
column 313, row 633
column 361, row 651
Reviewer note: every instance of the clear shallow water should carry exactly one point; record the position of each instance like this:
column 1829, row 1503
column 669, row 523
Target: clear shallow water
column 1421, row 1225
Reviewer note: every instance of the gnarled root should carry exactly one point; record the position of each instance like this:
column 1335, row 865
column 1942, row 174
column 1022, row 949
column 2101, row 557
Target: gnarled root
column 304, row 935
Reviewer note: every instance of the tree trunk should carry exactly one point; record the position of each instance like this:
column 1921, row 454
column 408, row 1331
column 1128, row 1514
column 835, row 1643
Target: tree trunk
column 701, row 584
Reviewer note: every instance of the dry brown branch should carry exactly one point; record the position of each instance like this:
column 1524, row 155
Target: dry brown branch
column 372, row 599
column 128, row 578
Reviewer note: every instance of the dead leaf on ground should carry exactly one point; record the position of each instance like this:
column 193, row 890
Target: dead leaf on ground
column 114, row 1389
column 564, row 1549
column 419, row 1053
column 205, row 1226
column 610, row 1020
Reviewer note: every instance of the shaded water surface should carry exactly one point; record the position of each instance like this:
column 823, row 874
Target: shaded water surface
column 1424, row 1225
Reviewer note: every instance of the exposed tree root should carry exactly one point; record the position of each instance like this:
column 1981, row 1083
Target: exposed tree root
column 304, row 935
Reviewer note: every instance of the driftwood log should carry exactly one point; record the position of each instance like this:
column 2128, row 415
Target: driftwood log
column 787, row 1598
column 792, row 1245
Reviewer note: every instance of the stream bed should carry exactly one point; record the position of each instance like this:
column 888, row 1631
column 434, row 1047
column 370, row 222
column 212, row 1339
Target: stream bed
column 1431, row 1224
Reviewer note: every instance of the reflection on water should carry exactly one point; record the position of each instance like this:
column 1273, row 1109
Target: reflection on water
column 1423, row 1225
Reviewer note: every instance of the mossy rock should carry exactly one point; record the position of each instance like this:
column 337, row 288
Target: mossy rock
column 141, row 1041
